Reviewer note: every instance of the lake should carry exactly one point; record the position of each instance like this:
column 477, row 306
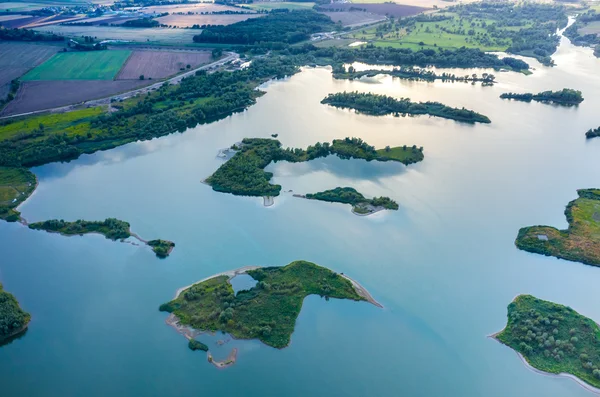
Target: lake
column 444, row 266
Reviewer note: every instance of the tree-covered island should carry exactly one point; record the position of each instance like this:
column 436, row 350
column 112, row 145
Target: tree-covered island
column 553, row 338
column 580, row 242
column 13, row 320
column 244, row 173
column 267, row 311
column 111, row 228
column 360, row 204
column 413, row 73
column 379, row 105
column 565, row 97
column 592, row 133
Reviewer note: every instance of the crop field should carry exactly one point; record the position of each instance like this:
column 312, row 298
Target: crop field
column 91, row 65
column 17, row 58
column 145, row 35
column 591, row 28
column 354, row 18
column 54, row 20
column 268, row 5
column 40, row 95
column 186, row 21
column 17, row 6
column 185, row 8
column 386, row 9
column 16, row 21
column 160, row 64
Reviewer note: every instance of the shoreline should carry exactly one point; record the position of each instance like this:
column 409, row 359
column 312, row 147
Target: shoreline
column 566, row 375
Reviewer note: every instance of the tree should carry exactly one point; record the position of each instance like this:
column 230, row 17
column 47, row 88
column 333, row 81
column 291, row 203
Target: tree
column 142, row 77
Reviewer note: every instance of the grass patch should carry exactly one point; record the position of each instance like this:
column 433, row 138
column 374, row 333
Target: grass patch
column 267, row 311
column 16, row 185
column 88, row 65
column 579, row 243
column 553, row 338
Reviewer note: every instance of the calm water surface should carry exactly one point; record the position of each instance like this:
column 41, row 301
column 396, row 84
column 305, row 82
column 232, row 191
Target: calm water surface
column 444, row 265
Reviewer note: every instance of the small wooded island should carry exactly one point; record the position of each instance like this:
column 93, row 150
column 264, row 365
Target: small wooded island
column 244, row 174
column 380, row 105
column 565, row 97
column 592, row 133
column 579, row 243
column 111, row 228
column 267, row 311
column 553, row 338
column 13, row 320
column 360, row 204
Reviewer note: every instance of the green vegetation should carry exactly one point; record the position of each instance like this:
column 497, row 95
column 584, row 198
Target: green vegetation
column 244, row 173
column 527, row 29
column 87, row 65
column 27, row 35
column 284, row 27
column 197, row 345
column 111, row 228
column 379, row 105
column 16, row 184
column 412, row 73
column 593, row 133
column 553, row 338
column 162, row 248
column 267, row 311
column 348, row 195
column 565, row 97
column 578, row 34
column 13, row 320
column 579, row 243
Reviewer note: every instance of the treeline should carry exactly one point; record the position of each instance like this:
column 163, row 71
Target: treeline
column 348, row 195
column 593, row 133
column 379, row 105
column 111, row 228
column 17, row 34
column 412, row 73
column 13, row 319
column 585, row 40
column 288, row 27
column 566, row 96
column 141, row 23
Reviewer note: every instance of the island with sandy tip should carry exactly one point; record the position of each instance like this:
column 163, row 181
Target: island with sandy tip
column 554, row 340
column 361, row 205
column 267, row 311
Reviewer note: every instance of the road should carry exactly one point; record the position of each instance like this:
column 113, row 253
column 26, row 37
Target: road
column 105, row 101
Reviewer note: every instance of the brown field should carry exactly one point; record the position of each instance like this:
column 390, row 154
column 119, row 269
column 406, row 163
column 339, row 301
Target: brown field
column 184, row 21
column 354, row 18
column 20, row 22
column 110, row 20
column 160, row 64
column 389, row 9
column 18, row 58
column 185, row 8
column 53, row 20
column 40, row 95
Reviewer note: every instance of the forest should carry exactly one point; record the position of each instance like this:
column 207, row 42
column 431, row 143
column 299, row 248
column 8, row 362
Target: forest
column 162, row 248
column 111, row 228
column 17, row 34
column 553, row 338
column 267, row 311
column 565, row 97
column 13, row 319
column 593, row 133
column 379, row 105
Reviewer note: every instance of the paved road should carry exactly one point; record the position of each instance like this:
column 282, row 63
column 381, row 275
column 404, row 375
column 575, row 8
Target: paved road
column 105, row 101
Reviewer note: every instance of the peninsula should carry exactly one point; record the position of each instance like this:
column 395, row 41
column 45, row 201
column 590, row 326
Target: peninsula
column 380, row 105
column 360, row 204
column 13, row 320
column 111, row 228
column 267, row 311
column 244, row 173
column 580, row 242
column 565, row 97
column 16, row 185
column 592, row 133
column 554, row 339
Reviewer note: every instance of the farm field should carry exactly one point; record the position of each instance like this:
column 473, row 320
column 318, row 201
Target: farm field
column 17, row 6
column 268, row 6
column 91, row 65
column 18, row 22
column 354, row 18
column 386, row 9
column 186, row 21
column 17, row 58
column 39, row 95
column 146, row 35
column 185, row 8
column 591, row 28
column 160, row 64
column 54, row 20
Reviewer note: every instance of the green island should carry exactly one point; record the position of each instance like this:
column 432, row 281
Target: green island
column 592, row 133
column 267, row 311
column 379, row 105
column 194, row 345
column 413, row 73
column 360, row 204
column 553, row 338
column 579, row 243
column 16, row 185
column 111, row 228
column 565, row 97
column 244, row 173
column 13, row 320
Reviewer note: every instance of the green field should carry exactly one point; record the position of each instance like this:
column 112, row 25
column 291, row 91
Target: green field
column 268, row 6
column 90, row 65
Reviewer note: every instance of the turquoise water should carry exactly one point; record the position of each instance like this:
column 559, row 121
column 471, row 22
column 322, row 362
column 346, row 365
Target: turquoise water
column 444, row 266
